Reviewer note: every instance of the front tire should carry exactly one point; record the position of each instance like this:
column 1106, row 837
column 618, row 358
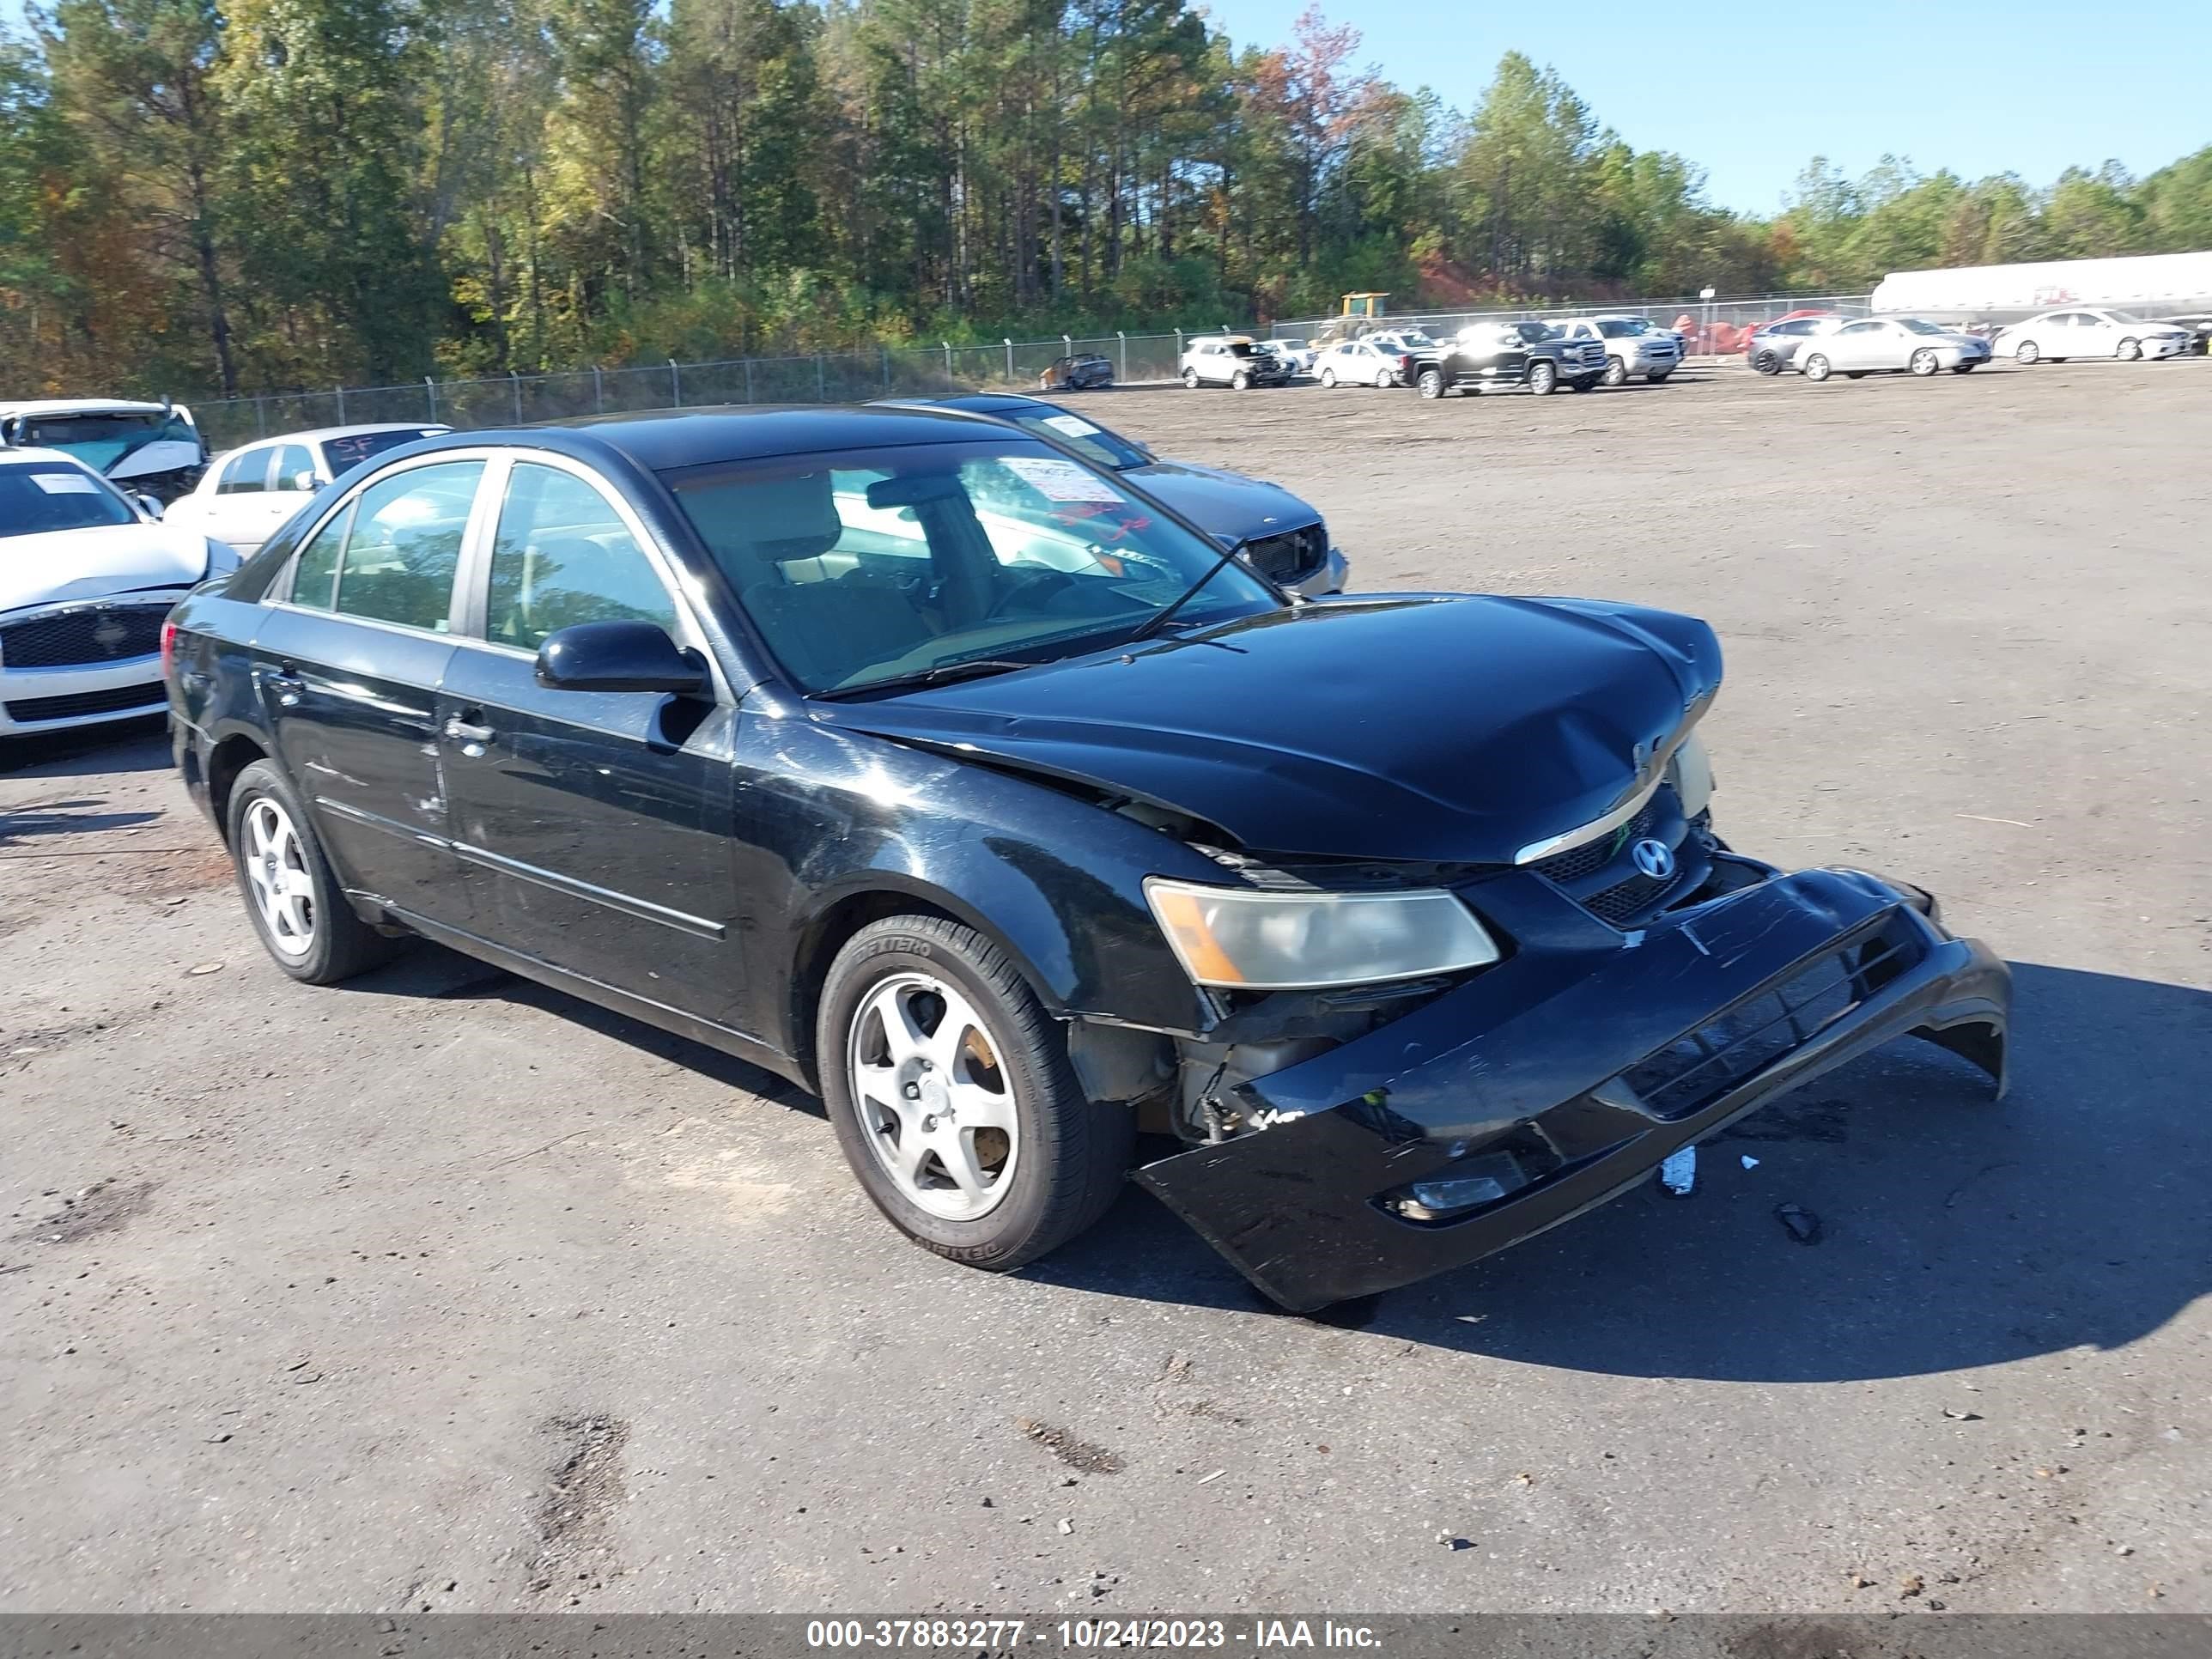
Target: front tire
column 1817, row 367
column 1659, row 377
column 953, row 1098
column 1963, row 368
column 1543, row 378
column 1616, row 373
column 1925, row 362
column 1241, row 382
column 292, row 894
column 2129, row 350
column 1766, row 363
column 1432, row 384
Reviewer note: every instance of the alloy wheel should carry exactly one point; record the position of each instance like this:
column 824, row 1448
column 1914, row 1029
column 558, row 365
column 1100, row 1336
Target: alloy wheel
column 936, row 1107
column 276, row 868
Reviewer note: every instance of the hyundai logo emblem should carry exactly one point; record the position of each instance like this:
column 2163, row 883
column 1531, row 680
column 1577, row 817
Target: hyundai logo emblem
column 1654, row 857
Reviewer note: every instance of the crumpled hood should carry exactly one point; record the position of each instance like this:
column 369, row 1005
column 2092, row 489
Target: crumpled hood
column 1439, row 727
column 1224, row 504
column 92, row 563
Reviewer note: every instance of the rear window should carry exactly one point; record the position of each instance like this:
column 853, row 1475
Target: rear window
column 357, row 447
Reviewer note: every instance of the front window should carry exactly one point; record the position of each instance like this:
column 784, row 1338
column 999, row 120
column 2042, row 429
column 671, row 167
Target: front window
column 562, row 557
column 1093, row 442
column 39, row 497
column 883, row 565
column 1920, row 326
column 100, row 441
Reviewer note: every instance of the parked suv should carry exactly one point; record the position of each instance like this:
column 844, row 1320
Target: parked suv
column 1513, row 354
column 1632, row 346
column 1236, row 360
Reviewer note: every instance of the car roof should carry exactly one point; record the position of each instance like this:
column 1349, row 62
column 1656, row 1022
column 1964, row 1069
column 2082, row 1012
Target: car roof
column 975, row 403
column 661, row 442
column 317, row 434
column 27, row 453
column 81, row 406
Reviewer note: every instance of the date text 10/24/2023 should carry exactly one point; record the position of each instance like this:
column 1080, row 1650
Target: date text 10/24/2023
column 1083, row 1635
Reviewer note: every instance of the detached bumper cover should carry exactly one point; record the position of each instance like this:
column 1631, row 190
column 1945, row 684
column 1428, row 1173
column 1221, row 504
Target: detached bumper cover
column 1590, row 1068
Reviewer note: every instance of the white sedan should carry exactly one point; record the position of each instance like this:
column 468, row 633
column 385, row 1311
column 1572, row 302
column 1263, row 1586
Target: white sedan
column 247, row 495
column 1363, row 362
column 1889, row 345
column 88, row 575
column 2090, row 331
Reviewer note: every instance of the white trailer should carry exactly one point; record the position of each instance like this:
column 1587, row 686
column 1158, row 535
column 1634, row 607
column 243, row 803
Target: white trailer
column 2153, row 283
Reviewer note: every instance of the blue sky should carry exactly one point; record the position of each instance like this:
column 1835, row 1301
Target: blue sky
column 1751, row 93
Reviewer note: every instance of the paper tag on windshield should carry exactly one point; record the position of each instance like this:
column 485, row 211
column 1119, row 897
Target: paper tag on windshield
column 65, row 483
column 1074, row 425
column 1059, row 481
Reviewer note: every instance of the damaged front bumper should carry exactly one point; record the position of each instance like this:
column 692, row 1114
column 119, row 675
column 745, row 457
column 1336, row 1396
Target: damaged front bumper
column 1551, row 1083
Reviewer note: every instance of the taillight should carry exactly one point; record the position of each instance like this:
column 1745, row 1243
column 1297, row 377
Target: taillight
column 1406, row 364
column 168, row 645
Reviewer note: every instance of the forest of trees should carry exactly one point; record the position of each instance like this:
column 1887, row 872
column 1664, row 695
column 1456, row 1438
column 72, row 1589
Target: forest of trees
column 216, row 195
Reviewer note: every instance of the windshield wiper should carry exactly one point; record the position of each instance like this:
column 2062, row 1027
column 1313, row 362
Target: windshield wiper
column 1160, row 619
column 972, row 668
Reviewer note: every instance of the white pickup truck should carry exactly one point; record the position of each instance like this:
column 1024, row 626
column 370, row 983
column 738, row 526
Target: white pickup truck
column 1633, row 345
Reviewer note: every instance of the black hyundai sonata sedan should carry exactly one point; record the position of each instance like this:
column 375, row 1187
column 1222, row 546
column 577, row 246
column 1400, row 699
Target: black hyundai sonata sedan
column 911, row 757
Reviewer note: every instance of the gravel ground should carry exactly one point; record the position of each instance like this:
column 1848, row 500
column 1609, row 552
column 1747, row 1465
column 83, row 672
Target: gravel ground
column 445, row 1292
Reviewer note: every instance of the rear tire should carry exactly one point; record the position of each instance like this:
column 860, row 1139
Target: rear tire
column 1543, row 378
column 1766, row 363
column 1659, row 377
column 2027, row 352
column 1053, row 1170
column 1190, row 379
column 1963, row 368
column 1329, row 380
column 292, row 894
column 1817, row 367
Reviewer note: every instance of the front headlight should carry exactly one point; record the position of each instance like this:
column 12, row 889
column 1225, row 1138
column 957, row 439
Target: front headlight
column 1239, row 939
column 1691, row 772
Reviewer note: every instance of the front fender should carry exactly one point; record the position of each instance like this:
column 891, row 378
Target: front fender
column 830, row 818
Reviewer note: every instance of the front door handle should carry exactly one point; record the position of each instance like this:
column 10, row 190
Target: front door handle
column 469, row 736
column 287, row 685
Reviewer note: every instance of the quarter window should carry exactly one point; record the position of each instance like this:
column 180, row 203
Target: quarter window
column 564, row 556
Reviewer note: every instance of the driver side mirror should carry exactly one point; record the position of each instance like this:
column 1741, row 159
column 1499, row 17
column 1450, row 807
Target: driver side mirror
column 148, row 505
column 303, row 481
column 619, row 656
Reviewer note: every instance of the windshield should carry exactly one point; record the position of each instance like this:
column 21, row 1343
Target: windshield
column 1416, row 339
column 878, row 565
column 1615, row 328
column 1095, row 443
column 1290, row 343
column 354, row 448
column 2123, row 316
column 1920, row 326
column 37, row 497
column 100, row 440
column 1533, row 332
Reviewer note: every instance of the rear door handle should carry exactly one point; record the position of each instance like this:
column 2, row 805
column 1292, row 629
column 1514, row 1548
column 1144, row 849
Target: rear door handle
column 286, row 685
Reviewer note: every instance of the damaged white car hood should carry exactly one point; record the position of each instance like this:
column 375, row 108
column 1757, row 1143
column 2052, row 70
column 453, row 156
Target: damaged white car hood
column 63, row 565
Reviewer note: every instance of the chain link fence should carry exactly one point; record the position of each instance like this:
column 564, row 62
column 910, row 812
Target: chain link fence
column 943, row 370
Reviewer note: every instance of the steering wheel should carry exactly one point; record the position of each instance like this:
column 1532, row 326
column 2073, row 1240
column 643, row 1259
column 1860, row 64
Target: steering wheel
column 1028, row 584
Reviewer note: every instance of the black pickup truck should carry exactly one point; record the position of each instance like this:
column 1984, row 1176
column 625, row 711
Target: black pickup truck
column 1488, row 354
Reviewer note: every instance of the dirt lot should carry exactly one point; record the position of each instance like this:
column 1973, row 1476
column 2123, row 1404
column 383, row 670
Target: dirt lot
column 445, row 1292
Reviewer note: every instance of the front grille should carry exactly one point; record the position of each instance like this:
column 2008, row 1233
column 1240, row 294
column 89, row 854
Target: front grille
column 1638, row 896
column 1291, row 555
column 97, row 634
column 1594, row 855
column 1698, row 1068
column 123, row 699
